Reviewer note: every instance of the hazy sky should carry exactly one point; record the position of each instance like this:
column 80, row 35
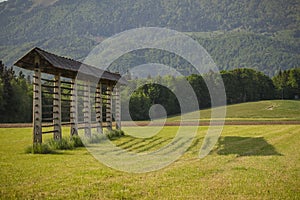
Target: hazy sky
column 2, row 0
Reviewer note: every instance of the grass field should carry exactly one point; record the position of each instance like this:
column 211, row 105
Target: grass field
column 274, row 110
column 249, row 162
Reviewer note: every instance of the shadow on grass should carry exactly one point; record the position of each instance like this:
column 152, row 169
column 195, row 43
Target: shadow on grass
column 148, row 141
column 194, row 144
column 154, row 144
column 245, row 146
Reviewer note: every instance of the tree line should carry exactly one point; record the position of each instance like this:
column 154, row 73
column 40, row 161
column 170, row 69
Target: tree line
column 241, row 85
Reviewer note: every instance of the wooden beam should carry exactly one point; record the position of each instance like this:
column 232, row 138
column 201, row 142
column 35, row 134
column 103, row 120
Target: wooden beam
column 109, row 106
column 118, row 107
column 87, row 109
column 37, row 102
column 57, row 108
column 74, row 109
column 98, row 107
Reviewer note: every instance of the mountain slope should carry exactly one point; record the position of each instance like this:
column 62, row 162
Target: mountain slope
column 72, row 27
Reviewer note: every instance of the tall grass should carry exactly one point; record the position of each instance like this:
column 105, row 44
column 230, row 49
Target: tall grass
column 114, row 134
column 108, row 134
column 69, row 143
column 39, row 149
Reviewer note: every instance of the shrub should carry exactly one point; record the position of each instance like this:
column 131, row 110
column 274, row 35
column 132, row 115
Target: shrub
column 64, row 144
column 39, row 149
column 67, row 143
column 114, row 134
column 95, row 138
column 77, row 142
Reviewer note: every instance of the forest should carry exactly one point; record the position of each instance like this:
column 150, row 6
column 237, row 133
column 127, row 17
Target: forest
column 241, row 85
column 259, row 34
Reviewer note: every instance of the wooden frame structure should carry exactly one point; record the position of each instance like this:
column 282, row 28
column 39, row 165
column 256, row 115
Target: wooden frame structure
column 91, row 100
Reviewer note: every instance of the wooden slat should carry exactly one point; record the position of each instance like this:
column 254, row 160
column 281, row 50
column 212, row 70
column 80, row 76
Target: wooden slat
column 48, row 80
column 48, row 125
column 67, row 82
column 47, row 92
column 48, row 86
column 46, row 132
column 66, row 123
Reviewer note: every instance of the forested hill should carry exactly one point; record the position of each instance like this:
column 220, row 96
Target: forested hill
column 267, row 32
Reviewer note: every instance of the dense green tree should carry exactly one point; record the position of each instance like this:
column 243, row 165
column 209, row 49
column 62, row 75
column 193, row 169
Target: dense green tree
column 198, row 84
column 247, row 85
column 16, row 96
column 139, row 106
column 287, row 83
column 1, row 96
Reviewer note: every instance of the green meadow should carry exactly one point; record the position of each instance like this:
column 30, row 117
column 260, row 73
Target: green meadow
column 273, row 110
column 248, row 162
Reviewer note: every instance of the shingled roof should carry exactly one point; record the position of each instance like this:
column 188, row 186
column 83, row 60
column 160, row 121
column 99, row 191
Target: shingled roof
column 54, row 64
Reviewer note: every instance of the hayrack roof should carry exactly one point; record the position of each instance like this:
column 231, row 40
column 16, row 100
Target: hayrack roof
column 66, row 67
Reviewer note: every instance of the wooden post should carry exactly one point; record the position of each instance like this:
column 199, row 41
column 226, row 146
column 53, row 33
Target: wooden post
column 118, row 107
column 109, row 106
column 57, row 108
column 98, row 107
column 37, row 102
column 73, row 109
column 87, row 109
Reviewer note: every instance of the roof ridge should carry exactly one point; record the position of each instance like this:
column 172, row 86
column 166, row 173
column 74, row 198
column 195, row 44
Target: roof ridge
column 82, row 63
column 58, row 55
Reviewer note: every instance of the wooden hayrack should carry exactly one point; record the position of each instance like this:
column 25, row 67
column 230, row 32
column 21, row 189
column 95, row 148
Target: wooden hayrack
column 83, row 102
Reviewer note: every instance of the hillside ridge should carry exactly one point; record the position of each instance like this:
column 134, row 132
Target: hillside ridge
column 73, row 27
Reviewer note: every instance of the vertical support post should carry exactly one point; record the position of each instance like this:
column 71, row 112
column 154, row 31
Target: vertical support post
column 109, row 106
column 57, row 108
column 118, row 107
column 73, row 109
column 98, row 107
column 87, row 109
column 37, row 102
